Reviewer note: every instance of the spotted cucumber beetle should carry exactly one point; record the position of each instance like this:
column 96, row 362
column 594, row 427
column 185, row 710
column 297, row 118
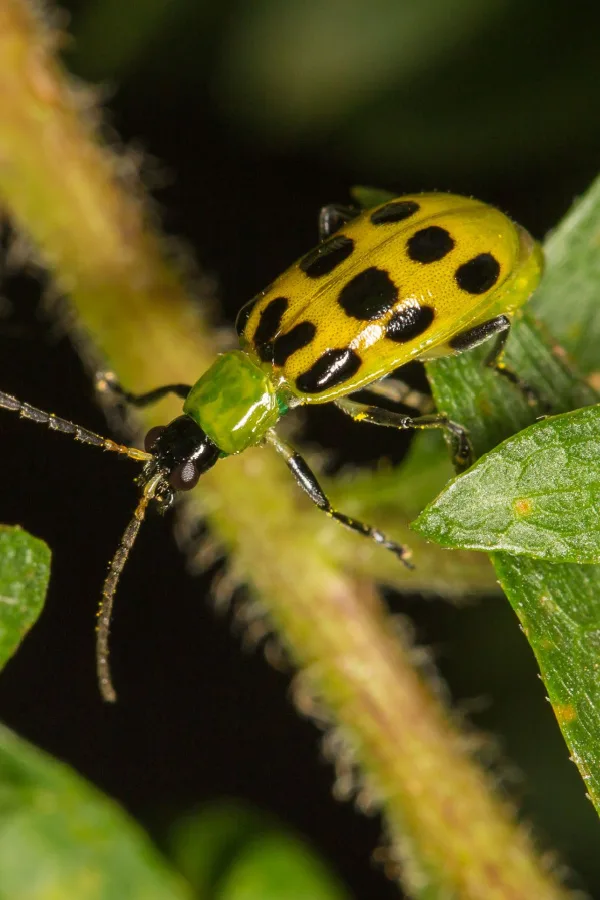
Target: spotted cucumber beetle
column 419, row 276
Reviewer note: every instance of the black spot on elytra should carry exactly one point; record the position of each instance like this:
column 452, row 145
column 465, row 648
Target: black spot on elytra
column 268, row 326
column 369, row 295
column 327, row 256
column 479, row 274
column 409, row 322
column 332, row 368
column 396, row 211
column 243, row 316
column 429, row 244
column 298, row 337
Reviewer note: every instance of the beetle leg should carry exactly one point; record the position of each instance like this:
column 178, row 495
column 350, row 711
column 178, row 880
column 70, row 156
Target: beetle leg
column 333, row 216
column 107, row 382
column 307, row 480
column 397, row 391
column 375, row 415
column 499, row 327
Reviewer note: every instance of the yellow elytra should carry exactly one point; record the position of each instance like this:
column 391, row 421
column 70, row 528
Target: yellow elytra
column 407, row 279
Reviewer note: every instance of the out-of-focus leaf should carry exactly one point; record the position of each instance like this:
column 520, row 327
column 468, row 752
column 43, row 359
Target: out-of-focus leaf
column 279, row 866
column 303, row 66
column 205, row 843
column 112, row 36
column 24, row 574
column 536, row 494
column 60, row 839
column 366, row 197
column 231, row 851
column 395, row 82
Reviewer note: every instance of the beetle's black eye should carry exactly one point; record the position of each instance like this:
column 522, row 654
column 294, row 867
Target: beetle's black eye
column 184, row 477
column 152, row 437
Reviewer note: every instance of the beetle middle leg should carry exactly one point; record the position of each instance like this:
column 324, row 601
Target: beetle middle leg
column 459, row 440
column 397, row 391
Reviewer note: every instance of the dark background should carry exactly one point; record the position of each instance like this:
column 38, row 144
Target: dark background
column 252, row 115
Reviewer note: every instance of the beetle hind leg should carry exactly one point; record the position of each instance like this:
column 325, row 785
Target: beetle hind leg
column 500, row 329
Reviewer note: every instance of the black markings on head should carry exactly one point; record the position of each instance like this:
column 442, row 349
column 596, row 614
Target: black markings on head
column 243, row 316
column 298, row 337
column 369, row 295
column 429, row 244
column 327, row 256
column 332, row 368
column 395, row 211
column 268, row 326
column 479, row 274
column 409, row 322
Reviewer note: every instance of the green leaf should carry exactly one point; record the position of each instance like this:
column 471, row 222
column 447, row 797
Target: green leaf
column 366, row 197
column 567, row 301
column 543, row 594
column 277, row 866
column 559, row 610
column 60, row 838
column 24, row 575
column 230, row 851
column 537, row 494
column 379, row 48
column 205, row 842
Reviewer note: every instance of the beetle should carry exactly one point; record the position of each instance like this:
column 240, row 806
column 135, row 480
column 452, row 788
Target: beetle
column 415, row 277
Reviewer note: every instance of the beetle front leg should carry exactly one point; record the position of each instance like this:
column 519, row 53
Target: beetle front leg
column 108, row 383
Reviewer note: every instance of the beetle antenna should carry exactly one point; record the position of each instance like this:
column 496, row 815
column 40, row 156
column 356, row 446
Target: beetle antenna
column 110, row 587
column 54, row 423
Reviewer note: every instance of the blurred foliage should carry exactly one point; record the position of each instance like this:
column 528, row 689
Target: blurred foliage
column 231, row 851
column 420, row 85
column 24, row 578
column 60, row 838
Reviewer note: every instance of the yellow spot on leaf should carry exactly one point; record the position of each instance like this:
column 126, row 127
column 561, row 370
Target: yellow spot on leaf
column 523, row 506
column 565, row 713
